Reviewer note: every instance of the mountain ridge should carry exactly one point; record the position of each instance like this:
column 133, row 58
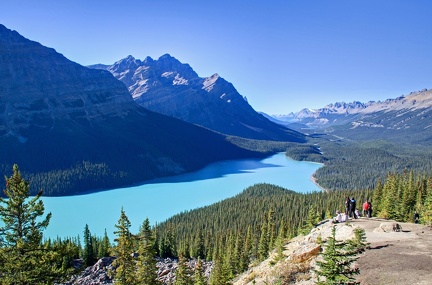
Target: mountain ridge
column 173, row 88
column 73, row 129
column 415, row 100
column 404, row 119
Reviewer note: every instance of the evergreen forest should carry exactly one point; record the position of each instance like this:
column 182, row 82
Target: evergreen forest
column 232, row 233
column 355, row 165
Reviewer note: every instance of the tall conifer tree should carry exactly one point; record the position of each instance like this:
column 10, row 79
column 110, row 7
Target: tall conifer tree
column 263, row 246
column 183, row 274
column 104, row 246
column 88, row 253
column 198, row 277
column 146, row 268
column 124, row 263
column 23, row 258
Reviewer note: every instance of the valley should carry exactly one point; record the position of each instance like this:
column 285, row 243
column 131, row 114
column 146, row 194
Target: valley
column 200, row 173
column 405, row 120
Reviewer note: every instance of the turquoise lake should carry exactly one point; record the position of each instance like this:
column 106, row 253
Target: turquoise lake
column 163, row 198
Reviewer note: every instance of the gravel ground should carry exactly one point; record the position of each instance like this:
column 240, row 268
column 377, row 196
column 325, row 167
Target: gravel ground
column 395, row 258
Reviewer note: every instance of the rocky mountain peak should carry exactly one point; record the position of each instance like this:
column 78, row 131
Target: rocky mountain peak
column 127, row 63
column 209, row 82
column 148, row 61
column 173, row 88
column 167, row 57
column 168, row 63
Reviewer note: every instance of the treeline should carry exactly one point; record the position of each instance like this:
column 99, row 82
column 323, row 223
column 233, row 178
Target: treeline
column 84, row 175
column 403, row 194
column 350, row 165
column 263, row 146
column 239, row 230
column 114, row 164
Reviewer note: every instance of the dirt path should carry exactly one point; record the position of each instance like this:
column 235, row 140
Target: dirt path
column 396, row 258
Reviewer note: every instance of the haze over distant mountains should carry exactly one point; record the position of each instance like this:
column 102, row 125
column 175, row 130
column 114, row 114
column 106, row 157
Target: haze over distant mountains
column 403, row 119
column 173, row 88
column 73, row 129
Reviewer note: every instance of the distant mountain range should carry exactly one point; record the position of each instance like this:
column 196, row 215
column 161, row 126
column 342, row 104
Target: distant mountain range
column 170, row 87
column 73, row 129
column 405, row 119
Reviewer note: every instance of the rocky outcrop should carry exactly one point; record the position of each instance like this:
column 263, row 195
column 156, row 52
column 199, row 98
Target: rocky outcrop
column 173, row 88
column 298, row 263
column 94, row 275
column 98, row 273
column 405, row 254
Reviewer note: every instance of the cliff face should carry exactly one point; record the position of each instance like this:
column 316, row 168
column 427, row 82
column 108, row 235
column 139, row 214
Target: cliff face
column 40, row 86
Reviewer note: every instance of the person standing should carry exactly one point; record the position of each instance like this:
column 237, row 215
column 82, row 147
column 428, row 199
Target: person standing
column 347, row 205
column 416, row 217
column 366, row 209
column 353, row 208
column 370, row 209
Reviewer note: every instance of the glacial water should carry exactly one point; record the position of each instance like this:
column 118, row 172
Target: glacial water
column 163, row 198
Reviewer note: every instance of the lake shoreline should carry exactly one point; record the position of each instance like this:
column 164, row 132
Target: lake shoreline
column 315, row 181
column 100, row 209
column 164, row 179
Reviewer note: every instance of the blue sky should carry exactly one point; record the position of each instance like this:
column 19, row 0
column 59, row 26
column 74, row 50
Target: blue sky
column 282, row 55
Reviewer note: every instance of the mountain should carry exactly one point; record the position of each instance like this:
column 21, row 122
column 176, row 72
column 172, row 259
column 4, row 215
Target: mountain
column 73, row 129
column 173, row 88
column 403, row 119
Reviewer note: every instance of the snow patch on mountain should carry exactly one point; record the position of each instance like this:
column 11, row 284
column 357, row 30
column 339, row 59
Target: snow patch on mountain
column 178, row 80
column 209, row 82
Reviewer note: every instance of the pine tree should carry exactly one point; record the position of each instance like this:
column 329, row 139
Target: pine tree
column 377, row 197
column 390, row 196
column 146, row 269
column 183, row 274
column 263, row 246
column 311, row 222
column 198, row 276
column 24, row 260
column 104, row 246
column 280, row 242
column 245, row 253
column 336, row 267
column 167, row 245
column 271, row 228
column 124, row 263
column 219, row 275
column 328, row 213
column 238, row 252
column 409, row 197
column 358, row 243
column 88, row 253
column 426, row 213
column 199, row 248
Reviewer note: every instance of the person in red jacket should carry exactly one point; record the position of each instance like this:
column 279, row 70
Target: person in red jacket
column 366, row 209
